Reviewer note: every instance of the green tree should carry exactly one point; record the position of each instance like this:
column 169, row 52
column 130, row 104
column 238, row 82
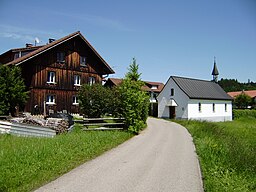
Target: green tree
column 133, row 71
column 134, row 101
column 12, row 89
column 242, row 101
column 94, row 100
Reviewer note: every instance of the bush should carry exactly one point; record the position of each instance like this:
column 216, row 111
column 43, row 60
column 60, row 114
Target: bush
column 94, row 100
column 240, row 113
column 242, row 101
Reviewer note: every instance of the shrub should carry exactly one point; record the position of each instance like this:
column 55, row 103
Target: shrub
column 240, row 113
column 94, row 100
column 243, row 101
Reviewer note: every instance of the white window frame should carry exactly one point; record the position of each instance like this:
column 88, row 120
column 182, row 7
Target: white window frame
column 77, row 80
column 51, row 77
column 50, row 99
column 92, row 80
column 75, row 100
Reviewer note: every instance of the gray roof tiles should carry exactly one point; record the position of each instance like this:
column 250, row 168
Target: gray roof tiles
column 201, row 89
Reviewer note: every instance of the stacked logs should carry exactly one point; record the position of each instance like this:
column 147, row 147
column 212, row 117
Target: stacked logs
column 59, row 125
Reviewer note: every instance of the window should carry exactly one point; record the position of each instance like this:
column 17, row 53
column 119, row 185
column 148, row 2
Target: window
column 17, row 55
column 75, row 100
column 50, row 99
column 60, row 57
column 172, row 92
column 154, row 87
column 199, row 107
column 91, row 80
column 213, row 107
column 51, row 77
column 82, row 60
column 226, row 107
column 77, row 80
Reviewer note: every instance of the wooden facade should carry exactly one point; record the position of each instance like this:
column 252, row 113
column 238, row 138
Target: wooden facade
column 54, row 73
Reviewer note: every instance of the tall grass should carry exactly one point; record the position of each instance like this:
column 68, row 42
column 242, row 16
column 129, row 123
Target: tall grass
column 27, row 163
column 227, row 153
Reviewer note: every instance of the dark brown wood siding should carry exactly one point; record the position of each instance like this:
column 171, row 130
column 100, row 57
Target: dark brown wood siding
column 35, row 72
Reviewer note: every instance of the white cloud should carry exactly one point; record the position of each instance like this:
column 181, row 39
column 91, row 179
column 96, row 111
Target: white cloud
column 26, row 34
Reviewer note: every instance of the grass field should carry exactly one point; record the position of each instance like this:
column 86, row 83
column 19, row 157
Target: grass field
column 227, row 153
column 27, row 163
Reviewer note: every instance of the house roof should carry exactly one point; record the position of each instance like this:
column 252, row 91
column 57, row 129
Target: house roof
column 147, row 87
column 201, row 89
column 53, row 44
column 251, row 93
column 115, row 81
column 158, row 86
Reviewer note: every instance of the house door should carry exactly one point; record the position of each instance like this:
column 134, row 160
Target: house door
column 172, row 112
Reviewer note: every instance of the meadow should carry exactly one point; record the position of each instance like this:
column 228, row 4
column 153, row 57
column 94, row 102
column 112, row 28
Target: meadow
column 227, row 153
column 26, row 163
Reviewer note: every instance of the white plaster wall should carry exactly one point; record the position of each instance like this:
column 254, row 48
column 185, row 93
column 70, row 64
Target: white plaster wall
column 180, row 98
column 207, row 112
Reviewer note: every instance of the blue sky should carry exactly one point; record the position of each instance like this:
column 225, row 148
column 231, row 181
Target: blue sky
column 167, row 37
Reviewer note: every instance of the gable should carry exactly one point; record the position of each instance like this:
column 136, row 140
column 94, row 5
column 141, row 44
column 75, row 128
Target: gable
column 55, row 44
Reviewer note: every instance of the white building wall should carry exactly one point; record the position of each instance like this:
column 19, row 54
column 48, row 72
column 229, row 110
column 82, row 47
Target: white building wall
column 180, row 98
column 207, row 112
column 188, row 108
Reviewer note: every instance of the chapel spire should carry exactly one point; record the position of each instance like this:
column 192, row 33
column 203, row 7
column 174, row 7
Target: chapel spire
column 215, row 72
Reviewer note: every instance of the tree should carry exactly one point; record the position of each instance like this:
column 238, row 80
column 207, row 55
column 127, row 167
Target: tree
column 233, row 85
column 133, row 73
column 12, row 89
column 243, row 101
column 134, row 101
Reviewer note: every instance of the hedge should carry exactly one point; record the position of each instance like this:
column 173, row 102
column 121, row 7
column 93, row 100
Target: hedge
column 239, row 113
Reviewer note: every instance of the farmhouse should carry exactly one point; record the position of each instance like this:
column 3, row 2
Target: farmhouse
column 153, row 89
column 186, row 98
column 53, row 73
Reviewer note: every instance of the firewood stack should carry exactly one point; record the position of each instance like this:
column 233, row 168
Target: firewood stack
column 59, row 125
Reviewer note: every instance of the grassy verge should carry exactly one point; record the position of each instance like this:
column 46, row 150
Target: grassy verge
column 227, row 153
column 27, row 163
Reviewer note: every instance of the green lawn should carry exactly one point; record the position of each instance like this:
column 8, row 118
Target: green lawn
column 227, row 153
column 27, row 163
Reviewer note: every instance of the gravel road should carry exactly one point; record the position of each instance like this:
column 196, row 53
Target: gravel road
column 162, row 158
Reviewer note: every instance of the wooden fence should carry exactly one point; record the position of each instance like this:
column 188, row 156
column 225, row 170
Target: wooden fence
column 102, row 123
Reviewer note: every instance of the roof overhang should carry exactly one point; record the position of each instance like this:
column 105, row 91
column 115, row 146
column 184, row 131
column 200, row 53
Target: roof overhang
column 171, row 103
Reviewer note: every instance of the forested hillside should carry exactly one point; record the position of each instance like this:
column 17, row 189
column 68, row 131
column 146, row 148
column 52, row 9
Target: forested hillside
column 233, row 85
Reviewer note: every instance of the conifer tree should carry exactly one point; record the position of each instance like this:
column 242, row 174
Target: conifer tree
column 12, row 89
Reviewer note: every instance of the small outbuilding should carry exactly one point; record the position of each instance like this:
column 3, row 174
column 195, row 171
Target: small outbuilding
column 187, row 98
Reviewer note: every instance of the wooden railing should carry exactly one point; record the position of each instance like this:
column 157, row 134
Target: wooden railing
column 102, row 123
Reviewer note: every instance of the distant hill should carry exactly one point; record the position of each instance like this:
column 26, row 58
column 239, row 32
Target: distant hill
column 233, row 85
